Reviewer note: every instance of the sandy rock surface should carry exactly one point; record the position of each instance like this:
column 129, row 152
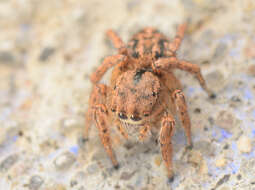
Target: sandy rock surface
column 48, row 49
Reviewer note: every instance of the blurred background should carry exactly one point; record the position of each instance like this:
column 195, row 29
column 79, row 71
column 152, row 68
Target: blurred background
column 48, row 49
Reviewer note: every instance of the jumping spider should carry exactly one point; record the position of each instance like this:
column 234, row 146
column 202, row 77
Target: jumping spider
column 143, row 93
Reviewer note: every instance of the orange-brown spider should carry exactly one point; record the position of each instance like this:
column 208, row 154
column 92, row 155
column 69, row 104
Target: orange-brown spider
column 143, row 93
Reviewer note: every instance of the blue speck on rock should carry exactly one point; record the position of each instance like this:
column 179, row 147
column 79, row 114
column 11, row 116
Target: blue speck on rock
column 74, row 149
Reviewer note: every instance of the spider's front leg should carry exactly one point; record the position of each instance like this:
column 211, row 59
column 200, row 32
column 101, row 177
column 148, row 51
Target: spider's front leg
column 117, row 42
column 108, row 63
column 169, row 63
column 99, row 114
column 175, row 44
column 165, row 139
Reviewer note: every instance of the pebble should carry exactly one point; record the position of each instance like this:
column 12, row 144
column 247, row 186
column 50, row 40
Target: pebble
column 226, row 120
column 244, row 144
column 46, row 53
column 221, row 162
column 64, row 161
column 7, row 163
column 35, row 182
column 92, row 168
column 127, row 175
column 220, row 51
column 215, row 80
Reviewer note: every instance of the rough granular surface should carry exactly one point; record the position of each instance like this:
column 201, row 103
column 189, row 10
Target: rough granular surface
column 48, row 49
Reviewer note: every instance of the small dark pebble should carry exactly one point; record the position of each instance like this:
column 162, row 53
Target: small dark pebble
column 223, row 180
column 46, row 53
column 117, row 186
column 211, row 120
column 8, row 162
column 20, row 133
column 226, row 146
column 213, row 96
column 127, row 176
column 239, row 176
column 73, row 183
column 6, row 57
column 197, row 110
column 235, row 99
column 220, row 50
column 82, row 141
column 35, row 182
column 170, row 180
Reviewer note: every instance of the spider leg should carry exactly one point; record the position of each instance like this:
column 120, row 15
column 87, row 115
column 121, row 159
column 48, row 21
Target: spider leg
column 100, row 118
column 98, row 113
column 181, row 106
column 108, row 62
column 166, row 133
column 117, row 42
column 144, row 132
column 98, row 96
column 169, row 63
column 175, row 44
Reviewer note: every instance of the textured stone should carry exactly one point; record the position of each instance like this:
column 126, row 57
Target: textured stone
column 8, row 162
column 46, row 53
column 215, row 80
column 244, row 144
column 64, row 161
column 221, row 162
column 226, row 120
column 35, row 182
column 196, row 158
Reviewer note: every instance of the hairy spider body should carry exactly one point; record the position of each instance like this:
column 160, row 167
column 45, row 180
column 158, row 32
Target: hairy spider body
column 143, row 93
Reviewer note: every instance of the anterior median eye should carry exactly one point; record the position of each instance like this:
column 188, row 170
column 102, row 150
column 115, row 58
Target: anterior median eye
column 146, row 114
column 122, row 116
column 135, row 118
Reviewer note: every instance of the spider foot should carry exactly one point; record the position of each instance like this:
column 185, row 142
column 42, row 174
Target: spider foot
column 116, row 167
column 170, row 179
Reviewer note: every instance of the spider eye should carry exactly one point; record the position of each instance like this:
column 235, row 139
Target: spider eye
column 146, row 114
column 122, row 115
column 113, row 110
column 135, row 118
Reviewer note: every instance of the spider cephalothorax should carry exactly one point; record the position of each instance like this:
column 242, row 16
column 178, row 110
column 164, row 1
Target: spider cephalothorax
column 143, row 93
